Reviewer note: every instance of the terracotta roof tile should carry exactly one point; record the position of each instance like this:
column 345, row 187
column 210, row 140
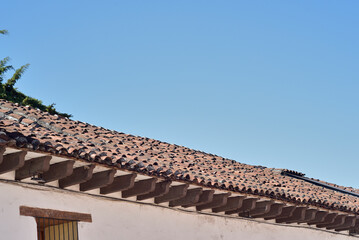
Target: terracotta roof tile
column 31, row 128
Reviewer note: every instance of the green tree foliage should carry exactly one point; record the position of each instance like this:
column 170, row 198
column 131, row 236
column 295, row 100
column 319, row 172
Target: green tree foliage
column 10, row 93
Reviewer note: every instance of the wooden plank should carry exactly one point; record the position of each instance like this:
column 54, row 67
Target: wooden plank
column 175, row 192
column 50, row 213
column 275, row 211
column 12, row 161
column 79, row 175
column 262, row 207
column 98, row 180
column 349, row 223
column 219, row 200
column 120, row 183
column 141, row 187
column 205, row 197
column 161, row 189
column 247, row 205
column 192, row 196
column 33, row 167
column 232, row 204
column 58, row 171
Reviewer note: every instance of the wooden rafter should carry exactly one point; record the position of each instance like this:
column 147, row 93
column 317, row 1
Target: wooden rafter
column 275, row 211
column 12, row 161
column 161, row 189
column 98, row 180
column 175, row 192
column 232, row 204
column 248, row 204
column 120, row 183
column 219, row 200
column 141, row 187
column 58, row 171
column 33, row 167
column 192, row 197
column 287, row 212
column 79, row 175
column 205, row 197
column 262, row 207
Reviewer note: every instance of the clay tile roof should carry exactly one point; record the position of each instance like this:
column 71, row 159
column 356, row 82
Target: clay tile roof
column 30, row 128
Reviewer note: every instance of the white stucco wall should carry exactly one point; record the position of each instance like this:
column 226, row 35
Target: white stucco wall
column 114, row 219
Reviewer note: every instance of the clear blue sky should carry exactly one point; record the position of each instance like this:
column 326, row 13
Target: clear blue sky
column 272, row 83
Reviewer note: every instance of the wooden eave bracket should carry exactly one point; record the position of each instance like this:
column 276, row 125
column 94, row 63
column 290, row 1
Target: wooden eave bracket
column 248, row 204
column 120, row 183
column 33, row 167
column 287, row 212
column 58, row 171
column 275, row 211
column 79, row 175
column 175, row 192
column 219, row 200
column 262, row 207
column 349, row 223
column 12, row 161
column 232, row 204
column 98, row 180
column 205, row 197
column 141, row 187
column 192, row 197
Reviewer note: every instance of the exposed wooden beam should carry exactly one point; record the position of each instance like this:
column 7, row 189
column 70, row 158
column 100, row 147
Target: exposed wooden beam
column 192, row 196
column 310, row 215
column 355, row 229
column 141, row 187
column 287, row 211
column 161, row 189
column 175, row 192
column 33, row 167
column 248, row 204
column 349, row 223
column 219, row 200
column 79, row 175
column 275, row 211
column 98, row 180
column 2, row 150
column 297, row 215
column 262, row 207
column 58, row 171
column 205, row 197
column 329, row 219
column 319, row 217
column 120, row 183
column 12, row 161
column 232, row 204
column 338, row 222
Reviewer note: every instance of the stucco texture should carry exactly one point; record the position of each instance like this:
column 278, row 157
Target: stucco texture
column 114, row 219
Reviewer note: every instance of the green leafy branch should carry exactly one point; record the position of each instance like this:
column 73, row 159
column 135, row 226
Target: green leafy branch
column 10, row 93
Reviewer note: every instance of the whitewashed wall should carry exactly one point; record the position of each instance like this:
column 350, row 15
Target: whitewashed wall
column 126, row 220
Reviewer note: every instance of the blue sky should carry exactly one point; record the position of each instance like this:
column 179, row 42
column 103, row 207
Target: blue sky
column 271, row 83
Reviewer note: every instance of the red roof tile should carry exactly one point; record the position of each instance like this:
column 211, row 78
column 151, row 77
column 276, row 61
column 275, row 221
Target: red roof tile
column 30, row 128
